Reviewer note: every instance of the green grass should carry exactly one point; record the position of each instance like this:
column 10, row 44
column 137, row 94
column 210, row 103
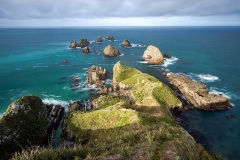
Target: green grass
column 106, row 101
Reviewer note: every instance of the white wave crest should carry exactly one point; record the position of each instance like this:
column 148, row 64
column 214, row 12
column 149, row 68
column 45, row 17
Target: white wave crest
column 169, row 61
column 201, row 77
column 213, row 91
column 207, row 78
column 137, row 45
column 55, row 102
column 142, row 62
column 40, row 66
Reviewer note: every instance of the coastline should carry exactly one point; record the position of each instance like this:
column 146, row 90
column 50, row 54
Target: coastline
column 171, row 67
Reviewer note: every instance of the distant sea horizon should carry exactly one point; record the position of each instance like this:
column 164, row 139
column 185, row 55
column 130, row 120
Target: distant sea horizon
column 32, row 62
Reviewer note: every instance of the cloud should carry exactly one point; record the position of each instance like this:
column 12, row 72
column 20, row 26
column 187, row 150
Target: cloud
column 75, row 9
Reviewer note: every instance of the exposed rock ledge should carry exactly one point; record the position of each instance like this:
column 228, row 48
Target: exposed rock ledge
column 197, row 94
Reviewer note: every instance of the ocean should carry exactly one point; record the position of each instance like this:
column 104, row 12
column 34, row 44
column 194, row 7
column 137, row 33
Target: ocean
column 32, row 63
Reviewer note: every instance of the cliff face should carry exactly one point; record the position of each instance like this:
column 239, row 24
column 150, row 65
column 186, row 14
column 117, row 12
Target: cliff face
column 23, row 124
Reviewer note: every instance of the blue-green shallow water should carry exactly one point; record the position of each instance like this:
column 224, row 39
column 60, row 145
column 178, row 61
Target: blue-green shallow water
column 31, row 62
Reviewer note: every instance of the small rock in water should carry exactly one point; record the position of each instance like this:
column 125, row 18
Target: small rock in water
column 230, row 116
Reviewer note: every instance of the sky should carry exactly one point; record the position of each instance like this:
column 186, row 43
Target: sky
column 74, row 13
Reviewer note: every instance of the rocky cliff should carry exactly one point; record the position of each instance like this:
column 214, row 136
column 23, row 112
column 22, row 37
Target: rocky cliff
column 24, row 124
column 197, row 94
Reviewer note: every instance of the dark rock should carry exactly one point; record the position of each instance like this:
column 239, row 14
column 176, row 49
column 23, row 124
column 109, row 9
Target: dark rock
column 83, row 43
column 73, row 44
column 166, row 55
column 126, row 43
column 110, row 38
column 86, row 49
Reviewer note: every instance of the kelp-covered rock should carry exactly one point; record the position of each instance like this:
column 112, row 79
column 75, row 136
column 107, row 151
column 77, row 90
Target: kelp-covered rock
column 24, row 124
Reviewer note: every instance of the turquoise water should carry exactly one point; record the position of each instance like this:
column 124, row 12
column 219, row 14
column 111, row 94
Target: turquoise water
column 31, row 62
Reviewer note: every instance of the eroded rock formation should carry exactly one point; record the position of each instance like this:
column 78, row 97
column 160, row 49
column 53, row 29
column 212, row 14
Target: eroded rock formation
column 83, row 43
column 96, row 75
column 99, row 39
column 197, row 94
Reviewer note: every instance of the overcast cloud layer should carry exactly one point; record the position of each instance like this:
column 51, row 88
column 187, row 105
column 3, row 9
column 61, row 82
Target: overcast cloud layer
column 12, row 11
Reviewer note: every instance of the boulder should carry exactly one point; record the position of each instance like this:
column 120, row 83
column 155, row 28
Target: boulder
column 110, row 51
column 73, row 44
column 153, row 55
column 110, row 38
column 83, row 43
column 126, row 43
column 86, row 49
column 99, row 39
column 197, row 94
column 166, row 55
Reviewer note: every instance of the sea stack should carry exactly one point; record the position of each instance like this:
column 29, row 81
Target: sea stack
column 83, row 43
column 111, row 51
column 197, row 94
column 110, row 38
column 153, row 55
column 73, row 44
column 99, row 39
column 126, row 43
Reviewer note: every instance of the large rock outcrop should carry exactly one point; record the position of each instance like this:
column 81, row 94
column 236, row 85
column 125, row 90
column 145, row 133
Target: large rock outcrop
column 73, row 44
column 83, row 43
column 111, row 51
column 153, row 55
column 96, row 75
column 23, row 124
column 126, row 43
column 197, row 94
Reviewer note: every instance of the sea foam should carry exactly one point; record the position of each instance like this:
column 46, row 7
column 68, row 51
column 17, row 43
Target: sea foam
column 169, row 61
column 207, row 78
column 55, row 102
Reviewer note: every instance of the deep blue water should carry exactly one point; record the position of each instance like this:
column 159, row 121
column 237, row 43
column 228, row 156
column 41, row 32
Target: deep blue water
column 31, row 62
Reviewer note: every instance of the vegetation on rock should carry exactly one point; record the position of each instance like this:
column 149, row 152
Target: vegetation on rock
column 23, row 124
